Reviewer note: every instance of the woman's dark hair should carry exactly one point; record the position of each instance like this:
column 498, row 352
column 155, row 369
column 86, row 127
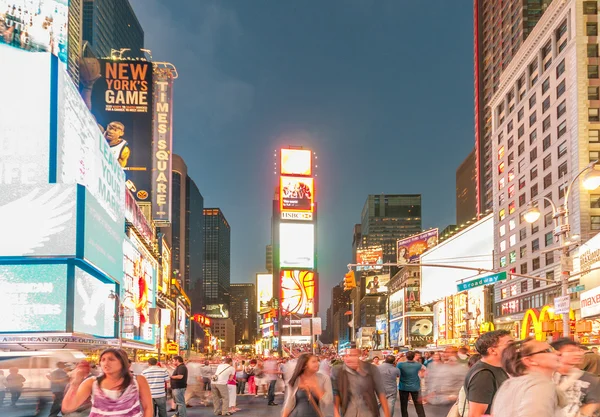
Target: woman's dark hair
column 121, row 356
column 300, row 367
column 512, row 357
column 253, row 362
column 473, row 359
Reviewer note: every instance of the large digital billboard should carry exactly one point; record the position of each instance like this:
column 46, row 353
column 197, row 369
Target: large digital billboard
column 473, row 247
column 376, row 283
column 122, row 102
column 296, row 245
column 296, row 194
column 397, row 332
column 410, row 249
column 138, row 290
column 264, row 290
column 35, row 26
column 94, row 311
column 38, row 220
column 217, row 311
column 396, row 304
column 369, row 256
column 420, row 330
column 298, row 290
column 296, row 162
column 33, row 298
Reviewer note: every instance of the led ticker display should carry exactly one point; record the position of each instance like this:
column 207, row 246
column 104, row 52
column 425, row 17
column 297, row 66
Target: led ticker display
column 94, row 310
column 298, row 292
column 264, row 290
column 33, row 298
column 296, row 194
column 296, row 245
column 296, row 162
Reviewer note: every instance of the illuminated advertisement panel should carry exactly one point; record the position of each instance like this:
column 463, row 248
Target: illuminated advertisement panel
column 138, row 292
column 296, row 162
column 410, row 249
column 296, row 245
column 397, row 333
column 297, row 292
column 420, row 331
column 217, row 311
column 369, row 256
column 264, row 291
column 121, row 101
column 35, row 25
column 94, row 311
column 476, row 307
column 396, row 304
column 33, row 298
column 376, row 283
column 296, row 194
column 439, row 321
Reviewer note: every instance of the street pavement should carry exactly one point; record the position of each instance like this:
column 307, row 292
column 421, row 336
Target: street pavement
column 257, row 407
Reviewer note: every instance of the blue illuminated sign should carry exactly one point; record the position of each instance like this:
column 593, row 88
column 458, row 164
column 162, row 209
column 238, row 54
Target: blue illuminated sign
column 490, row 279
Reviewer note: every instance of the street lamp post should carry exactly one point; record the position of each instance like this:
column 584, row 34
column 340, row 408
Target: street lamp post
column 562, row 229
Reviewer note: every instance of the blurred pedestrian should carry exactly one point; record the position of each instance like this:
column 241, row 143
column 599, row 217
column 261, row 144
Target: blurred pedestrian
column 241, row 377
column 179, row 380
column 250, row 371
column 462, row 405
column 220, row 391
column 194, row 383
column 389, row 376
column 530, row 391
column 114, row 393
column 309, row 391
column 232, row 388
column 14, row 383
column 410, row 384
column 2, row 387
column 157, row 378
column 357, row 386
column 272, row 372
column 58, row 382
column 591, row 362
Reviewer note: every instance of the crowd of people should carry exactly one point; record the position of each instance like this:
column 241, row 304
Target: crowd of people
column 500, row 378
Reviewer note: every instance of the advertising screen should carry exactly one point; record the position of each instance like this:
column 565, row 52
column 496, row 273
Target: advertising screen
column 413, row 301
column 103, row 237
column 181, row 319
column 121, row 101
column 397, row 333
column 84, row 155
column 376, row 283
column 439, row 320
column 296, row 245
column 396, row 304
column 35, row 25
column 298, row 292
column 297, row 194
column 264, row 290
column 420, row 331
column 476, row 307
column 24, row 162
column 410, row 249
column 217, row 311
column 38, row 220
column 138, row 290
column 369, row 256
column 296, row 162
column 473, row 247
column 33, row 298
column 94, row 311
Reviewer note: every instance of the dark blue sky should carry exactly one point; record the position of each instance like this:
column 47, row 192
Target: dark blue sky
column 382, row 90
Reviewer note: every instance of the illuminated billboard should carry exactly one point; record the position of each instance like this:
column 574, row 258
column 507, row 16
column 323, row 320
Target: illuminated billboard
column 217, row 311
column 297, row 292
column 376, row 283
column 296, row 194
column 369, row 256
column 396, row 304
column 397, row 332
column 94, row 311
column 138, row 290
column 472, row 247
column 121, row 100
column 296, row 162
column 410, row 249
column 420, row 330
column 35, row 26
column 264, row 291
column 296, row 245
column 33, row 298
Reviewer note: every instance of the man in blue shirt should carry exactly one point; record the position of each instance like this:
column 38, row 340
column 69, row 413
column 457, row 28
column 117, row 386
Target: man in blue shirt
column 410, row 384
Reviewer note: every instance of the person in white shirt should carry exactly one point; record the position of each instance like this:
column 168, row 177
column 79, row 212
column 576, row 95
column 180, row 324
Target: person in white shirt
column 157, row 378
column 220, row 391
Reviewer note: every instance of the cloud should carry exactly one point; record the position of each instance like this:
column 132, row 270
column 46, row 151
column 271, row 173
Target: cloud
column 191, row 39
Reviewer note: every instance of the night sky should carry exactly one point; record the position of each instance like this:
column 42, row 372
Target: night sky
column 382, row 90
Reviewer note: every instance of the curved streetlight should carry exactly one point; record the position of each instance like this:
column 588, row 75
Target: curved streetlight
column 560, row 214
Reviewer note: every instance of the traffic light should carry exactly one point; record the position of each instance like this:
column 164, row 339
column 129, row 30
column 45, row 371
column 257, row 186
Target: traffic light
column 349, row 281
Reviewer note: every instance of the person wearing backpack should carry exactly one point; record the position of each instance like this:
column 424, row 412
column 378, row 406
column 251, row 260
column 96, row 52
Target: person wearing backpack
column 485, row 378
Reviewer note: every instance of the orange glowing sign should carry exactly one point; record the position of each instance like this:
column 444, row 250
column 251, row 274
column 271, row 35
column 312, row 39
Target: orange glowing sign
column 296, row 162
column 296, row 194
column 297, row 292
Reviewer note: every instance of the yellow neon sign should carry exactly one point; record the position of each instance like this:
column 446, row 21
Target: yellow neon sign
column 533, row 318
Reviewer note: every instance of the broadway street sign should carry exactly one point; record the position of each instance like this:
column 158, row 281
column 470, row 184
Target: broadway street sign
column 490, row 279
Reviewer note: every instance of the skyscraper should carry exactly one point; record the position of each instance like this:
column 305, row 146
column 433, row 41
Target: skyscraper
column 243, row 312
column 112, row 24
column 194, row 244
column 466, row 190
column 499, row 30
column 217, row 257
column 388, row 217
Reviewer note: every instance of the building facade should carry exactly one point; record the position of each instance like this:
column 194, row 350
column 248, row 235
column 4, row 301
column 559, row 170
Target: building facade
column 466, row 190
column 223, row 334
column 500, row 27
column 112, row 24
column 546, row 129
column 243, row 312
column 194, row 244
column 217, row 258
